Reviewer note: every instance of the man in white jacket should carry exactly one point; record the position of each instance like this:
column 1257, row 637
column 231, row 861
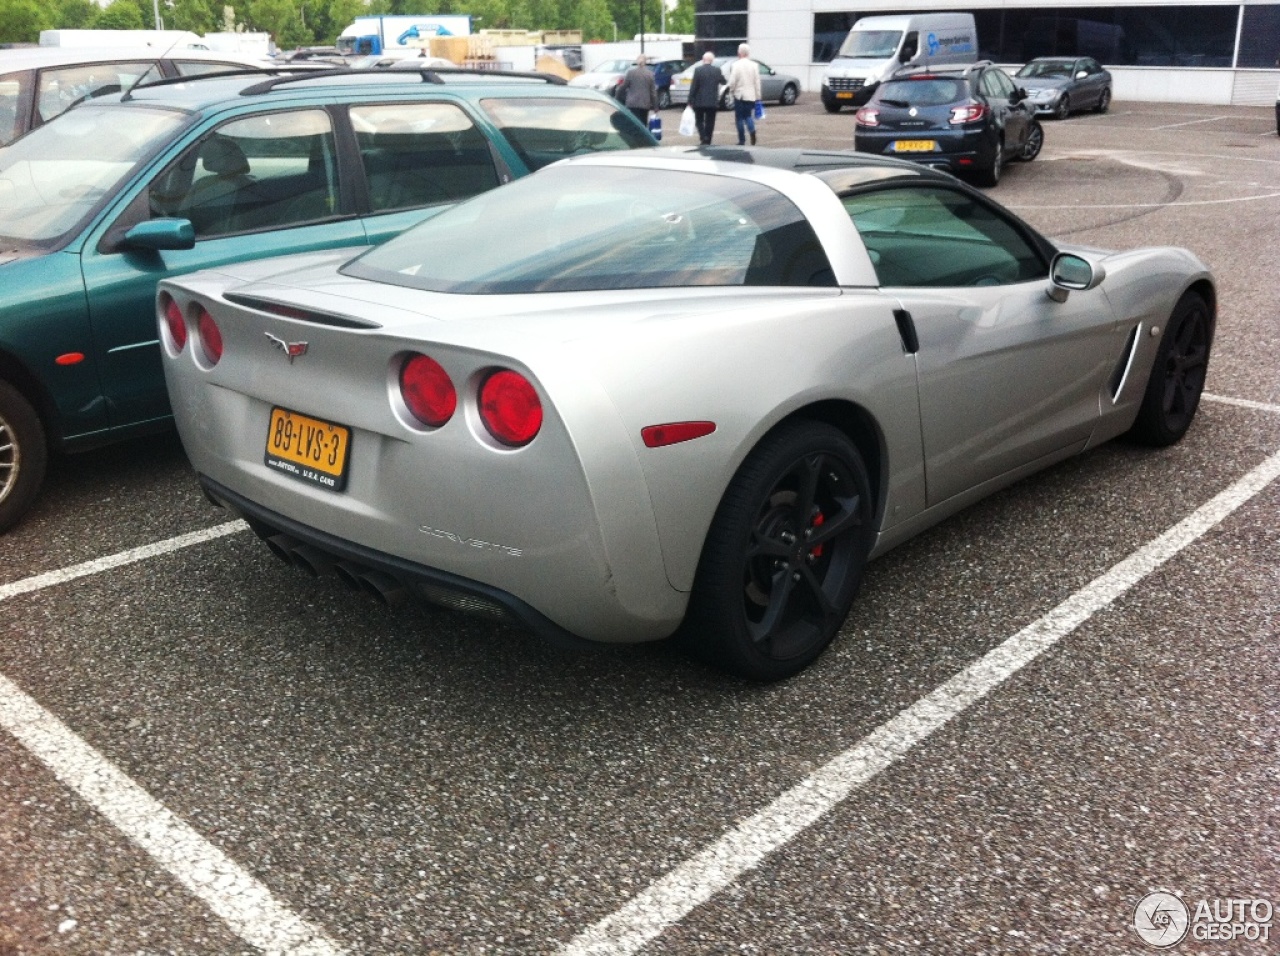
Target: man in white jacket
column 744, row 84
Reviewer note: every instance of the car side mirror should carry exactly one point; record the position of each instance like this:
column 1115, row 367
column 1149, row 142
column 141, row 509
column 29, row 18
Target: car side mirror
column 1071, row 273
column 1082, row 74
column 161, row 234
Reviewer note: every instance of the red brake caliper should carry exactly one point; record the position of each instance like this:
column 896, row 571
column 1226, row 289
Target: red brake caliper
column 817, row 522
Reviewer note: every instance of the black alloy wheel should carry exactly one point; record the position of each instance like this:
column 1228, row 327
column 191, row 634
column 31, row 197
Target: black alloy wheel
column 23, row 455
column 1063, row 109
column 784, row 556
column 789, row 95
column 990, row 176
column 1104, row 101
column 664, row 99
column 1177, row 375
column 1035, row 142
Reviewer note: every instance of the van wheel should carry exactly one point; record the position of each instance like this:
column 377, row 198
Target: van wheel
column 23, row 455
column 831, row 107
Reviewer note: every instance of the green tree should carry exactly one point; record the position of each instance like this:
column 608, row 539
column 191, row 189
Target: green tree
column 74, row 14
column 331, row 17
column 120, row 15
column 595, row 20
column 198, row 16
column 21, row 21
column 680, row 19
column 282, row 19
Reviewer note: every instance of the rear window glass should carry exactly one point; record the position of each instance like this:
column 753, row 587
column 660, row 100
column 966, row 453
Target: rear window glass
column 584, row 228
column 543, row 130
column 935, row 91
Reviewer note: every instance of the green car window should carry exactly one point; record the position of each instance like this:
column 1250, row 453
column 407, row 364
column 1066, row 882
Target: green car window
column 544, row 130
column 421, row 154
column 267, row 171
column 931, row 237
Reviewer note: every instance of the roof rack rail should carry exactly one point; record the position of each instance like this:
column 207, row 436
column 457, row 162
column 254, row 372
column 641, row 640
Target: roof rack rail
column 429, row 74
column 215, row 75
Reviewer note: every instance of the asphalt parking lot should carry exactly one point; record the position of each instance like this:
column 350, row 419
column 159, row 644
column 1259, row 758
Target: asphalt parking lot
column 1056, row 703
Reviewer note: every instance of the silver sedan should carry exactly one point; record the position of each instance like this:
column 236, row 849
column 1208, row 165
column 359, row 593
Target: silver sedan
column 1058, row 86
column 775, row 87
column 637, row 395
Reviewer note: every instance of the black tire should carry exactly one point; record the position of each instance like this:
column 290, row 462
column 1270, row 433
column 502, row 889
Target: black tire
column 784, row 556
column 1063, row 109
column 1104, row 101
column 1035, row 142
column 23, row 455
column 990, row 176
column 664, row 99
column 831, row 107
column 1177, row 375
column 790, row 93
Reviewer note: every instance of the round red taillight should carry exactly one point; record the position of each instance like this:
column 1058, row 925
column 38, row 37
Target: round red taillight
column 176, row 323
column 210, row 337
column 509, row 408
column 427, row 390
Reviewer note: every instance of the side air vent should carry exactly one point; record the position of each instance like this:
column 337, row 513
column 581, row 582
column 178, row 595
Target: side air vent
column 1121, row 373
column 304, row 315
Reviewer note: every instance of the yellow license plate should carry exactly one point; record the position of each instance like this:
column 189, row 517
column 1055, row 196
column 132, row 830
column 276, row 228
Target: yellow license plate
column 309, row 449
column 844, row 96
column 914, row 146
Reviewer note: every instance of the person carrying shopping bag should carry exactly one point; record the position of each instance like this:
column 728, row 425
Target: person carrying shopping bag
column 744, row 84
column 704, row 96
column 640, row 91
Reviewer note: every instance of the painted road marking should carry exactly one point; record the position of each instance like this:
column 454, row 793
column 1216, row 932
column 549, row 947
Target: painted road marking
column 672, row 897
column 41, row 581
column 1242, row 403
column 240, row 900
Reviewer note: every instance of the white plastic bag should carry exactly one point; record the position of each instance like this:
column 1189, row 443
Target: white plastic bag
column 688, row 122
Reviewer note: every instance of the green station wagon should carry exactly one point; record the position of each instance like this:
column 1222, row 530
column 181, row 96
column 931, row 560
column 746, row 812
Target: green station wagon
column 99, row 205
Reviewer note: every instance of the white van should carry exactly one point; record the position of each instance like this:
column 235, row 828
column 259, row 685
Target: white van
column 877, row 47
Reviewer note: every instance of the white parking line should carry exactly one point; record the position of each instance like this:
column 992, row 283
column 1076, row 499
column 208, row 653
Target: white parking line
column 243, row 903
column 673, row 896
column 40, row 581
column 1242, row 403
column 1195, row 122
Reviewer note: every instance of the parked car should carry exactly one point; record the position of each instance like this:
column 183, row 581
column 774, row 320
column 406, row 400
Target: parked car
column 98, row 205
column 681, row 391
column 775, row 87
column 664, row 74
column 1058, row 86
column 970, row 121
column 38, row 83
column 607, row 77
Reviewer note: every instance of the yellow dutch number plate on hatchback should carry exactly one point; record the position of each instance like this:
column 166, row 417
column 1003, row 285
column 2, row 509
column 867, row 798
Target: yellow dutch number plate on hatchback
column 914, row 146
column 309, row 449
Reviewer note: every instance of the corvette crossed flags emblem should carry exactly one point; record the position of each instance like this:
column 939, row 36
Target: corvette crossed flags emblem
column 291, row 349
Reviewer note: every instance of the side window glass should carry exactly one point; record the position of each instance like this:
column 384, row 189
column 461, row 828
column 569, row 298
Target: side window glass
column 421, row 154
column 59, row 89
column 205, row 67
column 923, row 237
column 263, row 172
column 10, row 100
column 542, row 131
column 987, row 84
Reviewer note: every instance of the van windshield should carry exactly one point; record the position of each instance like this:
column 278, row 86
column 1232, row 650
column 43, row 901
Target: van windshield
column 871, row 44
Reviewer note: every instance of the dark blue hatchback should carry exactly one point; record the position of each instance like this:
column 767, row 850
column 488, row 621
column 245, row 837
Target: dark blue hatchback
column 969, row 121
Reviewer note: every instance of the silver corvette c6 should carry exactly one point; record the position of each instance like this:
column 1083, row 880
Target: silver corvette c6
column 637, row 395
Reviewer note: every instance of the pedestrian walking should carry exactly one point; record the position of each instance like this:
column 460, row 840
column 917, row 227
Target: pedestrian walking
column 704, row 96
column 744, row 84
column 640, row 91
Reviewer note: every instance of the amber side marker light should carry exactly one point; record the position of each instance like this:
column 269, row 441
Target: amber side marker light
column 657, row 436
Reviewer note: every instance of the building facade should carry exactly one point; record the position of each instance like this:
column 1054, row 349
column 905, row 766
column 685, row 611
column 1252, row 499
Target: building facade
column 1186, row 52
